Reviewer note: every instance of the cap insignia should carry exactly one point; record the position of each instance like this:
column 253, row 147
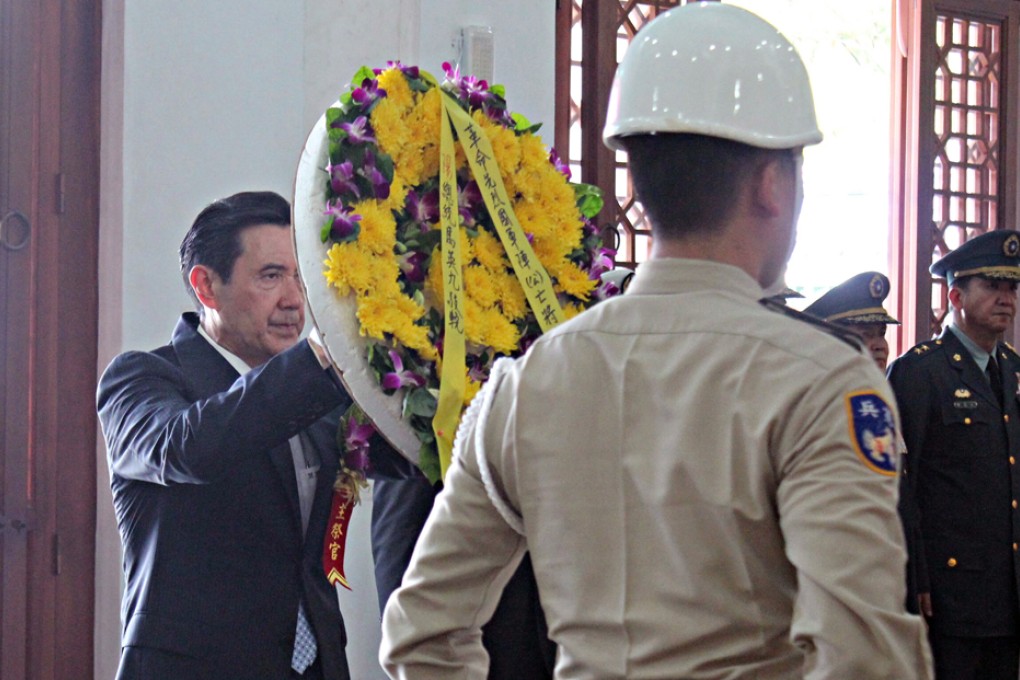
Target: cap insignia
column 962, row 393
column 1011, row 246
column 876, row 287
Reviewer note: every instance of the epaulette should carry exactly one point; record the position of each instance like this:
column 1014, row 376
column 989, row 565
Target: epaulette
column 832, row 329
column 1011, row 349
column 922, row 349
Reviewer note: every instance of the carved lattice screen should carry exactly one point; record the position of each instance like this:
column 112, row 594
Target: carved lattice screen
column 968, row 112
column 598, row 34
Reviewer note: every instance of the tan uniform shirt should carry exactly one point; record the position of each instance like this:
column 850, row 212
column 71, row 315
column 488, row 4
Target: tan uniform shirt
column 683, row 466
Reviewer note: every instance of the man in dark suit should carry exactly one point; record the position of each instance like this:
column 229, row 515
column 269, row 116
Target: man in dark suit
column 960, row 485
column 516, row 638
column 222, row 452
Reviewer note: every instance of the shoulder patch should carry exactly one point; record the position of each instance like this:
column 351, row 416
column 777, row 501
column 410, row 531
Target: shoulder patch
column 872, row 431
column 832, row 329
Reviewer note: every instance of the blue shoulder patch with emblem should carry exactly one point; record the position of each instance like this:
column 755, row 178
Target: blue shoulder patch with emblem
column 872, row 431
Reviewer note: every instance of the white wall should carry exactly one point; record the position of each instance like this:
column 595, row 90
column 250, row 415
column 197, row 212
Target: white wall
column 202, row 99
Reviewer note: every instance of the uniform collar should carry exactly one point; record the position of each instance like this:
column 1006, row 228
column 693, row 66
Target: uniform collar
column 980, row 356
column 678, row 275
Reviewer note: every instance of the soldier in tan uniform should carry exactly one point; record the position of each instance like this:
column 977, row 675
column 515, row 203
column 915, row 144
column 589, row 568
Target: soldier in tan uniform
column 706, row 485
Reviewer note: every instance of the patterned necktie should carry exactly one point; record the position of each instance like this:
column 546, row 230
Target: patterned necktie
column 305, row 647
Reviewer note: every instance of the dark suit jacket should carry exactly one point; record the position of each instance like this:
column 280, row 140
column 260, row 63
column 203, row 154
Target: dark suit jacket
column 516, row 638
column 206, row 500
column 958, row 486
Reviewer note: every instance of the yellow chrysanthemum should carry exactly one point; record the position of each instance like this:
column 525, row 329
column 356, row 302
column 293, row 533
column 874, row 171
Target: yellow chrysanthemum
column 534, row 221
column 349, row 267
column 397, row 90
column 489, row 251
column 512, row 298
column 479, row 285
column 498, row 332
column 570, row 310
column 551, row 253
column 390, row 127
column 428, row 110
column 471, row 388
column 378, row 228
column 571, row 280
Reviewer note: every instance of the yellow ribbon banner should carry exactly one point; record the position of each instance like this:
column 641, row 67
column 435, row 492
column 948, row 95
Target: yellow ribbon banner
column 451, row 382
column 529, row 271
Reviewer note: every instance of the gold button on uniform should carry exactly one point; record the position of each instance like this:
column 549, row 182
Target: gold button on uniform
column 1012, row 460
column 951, row 562
column 1014, row 504
column 966, row 421
column 1015, row 546
column 1006, row 417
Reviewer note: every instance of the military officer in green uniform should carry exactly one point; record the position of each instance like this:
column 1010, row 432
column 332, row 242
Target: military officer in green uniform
column 960, row 489
column 856, row 305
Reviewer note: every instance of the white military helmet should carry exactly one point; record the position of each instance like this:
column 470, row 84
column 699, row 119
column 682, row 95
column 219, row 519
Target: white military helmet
column 716, row 70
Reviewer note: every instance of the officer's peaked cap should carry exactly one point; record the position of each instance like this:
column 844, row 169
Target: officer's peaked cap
column 856, row 301
column 994, row 255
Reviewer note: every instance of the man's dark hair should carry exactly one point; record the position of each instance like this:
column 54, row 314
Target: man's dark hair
column 690, row 184
column 214, row 239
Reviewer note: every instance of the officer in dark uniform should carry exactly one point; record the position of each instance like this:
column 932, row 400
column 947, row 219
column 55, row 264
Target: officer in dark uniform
column 959, row 492
column 856, row 304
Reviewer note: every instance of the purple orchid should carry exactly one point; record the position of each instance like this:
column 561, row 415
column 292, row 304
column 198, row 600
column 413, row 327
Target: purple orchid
column 368, row 93
column 558, row 163
column 411, row 264
column 424, row 210
column 341, row 179
column 474, row 91
column 398, row 377
column 607, row 290
column 380, row 187
column 356, row 445
column 469, row 199
column 498, row 114
column 409, row 71
column 601, row 263
column 345, row 224
column 477, row 370
column 358, row 131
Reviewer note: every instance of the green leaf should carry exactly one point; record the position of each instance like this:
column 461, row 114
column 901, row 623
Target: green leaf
column 589, row 199
column 418, row 84
column 385, row 165
column 428, row 461
column 359, row 77
column 346, row 98
column 498, row 90
column 428, row 77
column 521, row 121
column 326, row 228
column 420, row 402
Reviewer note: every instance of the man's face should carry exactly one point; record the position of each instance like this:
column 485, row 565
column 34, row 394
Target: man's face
column 984, row 307
column 261, row 311
column 873, row 335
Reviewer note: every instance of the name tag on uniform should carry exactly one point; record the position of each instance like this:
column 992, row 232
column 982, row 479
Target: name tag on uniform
column 965, row 404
